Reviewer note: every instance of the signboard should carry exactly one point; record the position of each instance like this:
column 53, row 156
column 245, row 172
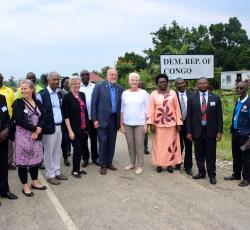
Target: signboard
column 187, row 66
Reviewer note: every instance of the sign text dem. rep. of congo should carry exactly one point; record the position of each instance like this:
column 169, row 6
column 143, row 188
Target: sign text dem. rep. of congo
column 187, row 66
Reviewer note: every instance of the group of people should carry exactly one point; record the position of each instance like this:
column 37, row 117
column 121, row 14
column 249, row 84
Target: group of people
column 49, row 121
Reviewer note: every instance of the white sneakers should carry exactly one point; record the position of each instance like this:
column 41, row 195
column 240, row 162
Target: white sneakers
column 129, row 167
column 137, row 171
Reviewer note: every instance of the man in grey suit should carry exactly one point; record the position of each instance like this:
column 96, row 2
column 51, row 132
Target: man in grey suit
column 105, row 113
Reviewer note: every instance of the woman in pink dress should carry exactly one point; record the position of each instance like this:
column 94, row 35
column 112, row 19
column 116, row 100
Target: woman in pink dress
column 164, row 119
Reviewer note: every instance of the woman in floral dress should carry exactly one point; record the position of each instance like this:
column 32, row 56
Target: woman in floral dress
column 164, row 119
column 28, row 114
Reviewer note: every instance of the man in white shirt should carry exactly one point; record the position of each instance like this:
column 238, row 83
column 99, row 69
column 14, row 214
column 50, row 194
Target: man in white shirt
column 52, row 134
column 87, row 88
column 183, row 95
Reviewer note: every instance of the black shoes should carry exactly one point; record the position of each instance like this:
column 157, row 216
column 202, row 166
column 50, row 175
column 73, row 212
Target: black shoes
column 177, row 167
column 85, row 163
column 244, row 183
column 232, row 177
column 189, row 172
column 146, row 152
column 82, row 172
column 9, row 196
column 199, row 176
column 202, row 175
column 66, row 162
column 170, row 169
column 103, row 171
column 76, row 174
column 213, row 180
column 158, row 169
column 39, row 188
column 30, row 194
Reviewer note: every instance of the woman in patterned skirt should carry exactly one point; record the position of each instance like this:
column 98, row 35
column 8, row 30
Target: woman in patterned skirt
column 164, row 119
column 28, row 114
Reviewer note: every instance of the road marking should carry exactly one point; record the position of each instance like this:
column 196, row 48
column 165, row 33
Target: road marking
column 58, row 206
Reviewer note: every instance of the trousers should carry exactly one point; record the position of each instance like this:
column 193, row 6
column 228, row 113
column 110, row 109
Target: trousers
column 52, row 150
column 135, row 139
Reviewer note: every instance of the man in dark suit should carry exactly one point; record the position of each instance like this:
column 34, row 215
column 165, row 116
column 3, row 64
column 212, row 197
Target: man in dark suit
column 4, row 131
column 205, row 126
column 183, row 97
column 105, row 113
column 241, row 137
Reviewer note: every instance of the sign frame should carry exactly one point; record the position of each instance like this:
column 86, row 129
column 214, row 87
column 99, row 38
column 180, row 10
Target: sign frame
column 187, row 66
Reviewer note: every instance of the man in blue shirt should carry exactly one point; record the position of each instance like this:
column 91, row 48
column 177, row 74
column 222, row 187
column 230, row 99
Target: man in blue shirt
column 240, row 137
column 105, row 113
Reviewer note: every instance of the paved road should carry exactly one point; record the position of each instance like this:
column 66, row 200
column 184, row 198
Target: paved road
column 123, row 200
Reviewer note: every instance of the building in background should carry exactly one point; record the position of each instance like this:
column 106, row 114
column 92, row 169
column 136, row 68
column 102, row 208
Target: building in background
column 94, row 77
column 230, row 78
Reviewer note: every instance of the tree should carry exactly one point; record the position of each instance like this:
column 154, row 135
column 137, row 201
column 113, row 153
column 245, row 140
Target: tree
column 169, row 40
column 138, row 61
column 43, row 79
column 124, row 68
column 231, row 45
column 103, row 72
column 228, row 42
column 200, row 40
column 11, row 83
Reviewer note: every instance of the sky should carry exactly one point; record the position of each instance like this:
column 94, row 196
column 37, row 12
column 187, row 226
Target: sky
column 70, row 35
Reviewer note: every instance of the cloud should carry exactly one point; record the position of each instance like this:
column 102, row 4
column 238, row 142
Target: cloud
column 55, row 22
column 64, row 34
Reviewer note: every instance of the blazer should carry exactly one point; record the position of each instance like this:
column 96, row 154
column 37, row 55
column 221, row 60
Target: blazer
column 4, row 115
column 214, row 116
column 21, row 118
column 101, row 107
column 71, row 110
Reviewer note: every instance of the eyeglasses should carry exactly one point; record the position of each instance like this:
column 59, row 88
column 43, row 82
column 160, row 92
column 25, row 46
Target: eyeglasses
column 85, row 74
column 239, row 87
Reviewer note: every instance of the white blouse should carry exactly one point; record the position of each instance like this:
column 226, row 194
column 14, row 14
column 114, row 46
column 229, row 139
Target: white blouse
column 134, row 107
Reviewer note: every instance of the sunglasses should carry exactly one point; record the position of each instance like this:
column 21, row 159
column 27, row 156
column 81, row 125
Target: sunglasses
column 85, row 74
column 239, row 87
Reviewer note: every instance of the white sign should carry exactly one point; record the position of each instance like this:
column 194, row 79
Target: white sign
column 187, row 66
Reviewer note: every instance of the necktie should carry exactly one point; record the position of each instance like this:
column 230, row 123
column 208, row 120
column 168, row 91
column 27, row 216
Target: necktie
column 203, row 110
column 183, row 107
column 237, row 112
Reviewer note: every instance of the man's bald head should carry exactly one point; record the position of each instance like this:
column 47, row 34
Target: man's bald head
column 241, row 89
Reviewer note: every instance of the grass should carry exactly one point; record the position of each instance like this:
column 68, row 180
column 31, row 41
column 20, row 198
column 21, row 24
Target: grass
column 224, row 151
